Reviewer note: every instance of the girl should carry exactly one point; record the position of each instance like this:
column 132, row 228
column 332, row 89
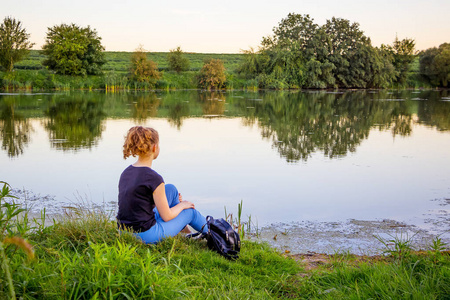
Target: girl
column 147, row 206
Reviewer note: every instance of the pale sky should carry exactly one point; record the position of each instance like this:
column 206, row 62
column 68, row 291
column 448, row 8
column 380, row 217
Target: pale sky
column 226, row 26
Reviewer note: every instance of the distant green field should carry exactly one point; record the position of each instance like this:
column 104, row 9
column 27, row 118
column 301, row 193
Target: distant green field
column 120, row 61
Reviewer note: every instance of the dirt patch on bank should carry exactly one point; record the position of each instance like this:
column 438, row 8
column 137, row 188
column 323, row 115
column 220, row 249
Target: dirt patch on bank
column 311, row 261
column 314, row 261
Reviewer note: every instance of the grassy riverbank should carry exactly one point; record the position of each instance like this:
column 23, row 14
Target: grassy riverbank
column 31, row 75
column 83, row 257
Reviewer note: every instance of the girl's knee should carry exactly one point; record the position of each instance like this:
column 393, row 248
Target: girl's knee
column 188, row 213
column 170, row 188
column 172, row 195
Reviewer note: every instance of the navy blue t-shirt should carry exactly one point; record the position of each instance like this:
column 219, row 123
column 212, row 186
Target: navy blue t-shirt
column 136, row 187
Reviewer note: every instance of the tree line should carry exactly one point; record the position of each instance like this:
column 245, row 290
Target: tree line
column 302, row 54
column 299, row 54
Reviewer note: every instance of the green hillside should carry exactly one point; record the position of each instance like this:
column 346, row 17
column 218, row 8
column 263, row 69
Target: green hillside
column 120, row 61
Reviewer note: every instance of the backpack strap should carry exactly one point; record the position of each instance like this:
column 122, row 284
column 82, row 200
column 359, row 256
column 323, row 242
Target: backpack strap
column 193, row 235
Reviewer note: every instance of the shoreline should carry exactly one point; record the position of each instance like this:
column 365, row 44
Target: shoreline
column 355, row 237
column 358, row 237
column 5, row 91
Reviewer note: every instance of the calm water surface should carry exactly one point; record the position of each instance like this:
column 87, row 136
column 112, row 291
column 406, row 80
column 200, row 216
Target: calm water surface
column 289, row 156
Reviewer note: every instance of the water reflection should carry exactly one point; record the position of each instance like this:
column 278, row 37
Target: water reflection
column 144, row 107
column 177, row 109
column 15, row 129
column 213, row 104
column 437, row 112
column 74, row 122
column 297, row 123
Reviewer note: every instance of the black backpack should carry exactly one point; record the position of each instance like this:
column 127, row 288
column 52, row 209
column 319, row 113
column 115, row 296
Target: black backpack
column 221, row 237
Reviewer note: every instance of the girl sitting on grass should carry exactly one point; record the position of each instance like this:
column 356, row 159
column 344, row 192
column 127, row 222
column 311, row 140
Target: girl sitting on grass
column 147, row 206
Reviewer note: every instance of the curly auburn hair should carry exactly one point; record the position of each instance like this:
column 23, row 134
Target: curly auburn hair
column 139, row 141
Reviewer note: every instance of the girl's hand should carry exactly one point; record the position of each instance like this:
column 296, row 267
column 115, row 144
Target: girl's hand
column 187, row 204
column 168, row 213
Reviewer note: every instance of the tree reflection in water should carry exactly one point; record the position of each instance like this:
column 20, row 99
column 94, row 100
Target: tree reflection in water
column 176, row 106
column 437, row 114
column 15, row 129
column 74, row 122
column 213, row 103
column 144, row 106
column 297, row 123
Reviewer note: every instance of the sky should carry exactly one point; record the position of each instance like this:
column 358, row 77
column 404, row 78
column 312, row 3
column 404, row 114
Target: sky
column 226, row 26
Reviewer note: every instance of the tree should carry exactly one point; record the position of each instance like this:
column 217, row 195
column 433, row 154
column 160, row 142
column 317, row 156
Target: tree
column 212, row 75
column 403, row 53
column 337, row 54
column 289, row 48
column 348, row 49
column 301, row 53
column 442, row 61
column 14, row 44
column 435, row 65
column 177, row 60
column 319, row 74
column 254, row 63
column 73, row 50
column 382, row 72
column 142, row 69
column 294, row 32
column 427, row 66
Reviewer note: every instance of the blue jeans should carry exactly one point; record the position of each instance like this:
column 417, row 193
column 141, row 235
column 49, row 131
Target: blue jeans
column 164, row 229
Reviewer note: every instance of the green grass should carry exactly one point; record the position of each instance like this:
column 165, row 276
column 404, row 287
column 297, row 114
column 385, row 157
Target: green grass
column 120, row 61
column 417, row 277
column 84, row 257
column 30, row 74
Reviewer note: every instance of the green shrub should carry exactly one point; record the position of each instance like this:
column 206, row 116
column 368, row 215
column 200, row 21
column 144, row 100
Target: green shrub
column 212, row 75
column 177, row 60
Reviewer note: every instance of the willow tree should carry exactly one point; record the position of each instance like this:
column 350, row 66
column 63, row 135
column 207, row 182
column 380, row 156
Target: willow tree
column 253, row 64
column 14, row 44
